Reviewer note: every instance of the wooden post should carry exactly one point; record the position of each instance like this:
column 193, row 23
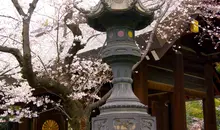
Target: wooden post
column 34, row 124
column 209, row 103
column 140, row 82
column 178, row 97
column 161, row 112
column 25, row 124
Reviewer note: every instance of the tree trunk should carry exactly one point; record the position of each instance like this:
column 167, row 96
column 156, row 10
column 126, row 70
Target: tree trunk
column 79, row 116
column 80, row 123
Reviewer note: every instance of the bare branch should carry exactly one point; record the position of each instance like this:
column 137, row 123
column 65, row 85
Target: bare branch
column 4, row 68
column 76, row 43
column 93, row 36
column 18, row 7
column 150, row 42
column 27, row 65
column 10, row 38
column 72, row 51
column 8, row 70
column 74, row 27
column 100, row 102
column 32, row 7
column 56, row 108
column 51, row 109
column 158, row 6
column 14, row 52
column 7, row 16
column 49, row 84
column 63, row 111
column 53, row 93
column 45, row 68
column 81, row 10
column 27, row 69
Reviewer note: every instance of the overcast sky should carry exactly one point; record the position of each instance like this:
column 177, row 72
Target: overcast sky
column 45, row 11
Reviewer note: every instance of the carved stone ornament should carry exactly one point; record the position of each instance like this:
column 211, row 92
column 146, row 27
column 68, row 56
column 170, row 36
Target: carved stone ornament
column 124, row 124
column 119, row 4
column 129, row 13
column 101, row 125
column 148, row 124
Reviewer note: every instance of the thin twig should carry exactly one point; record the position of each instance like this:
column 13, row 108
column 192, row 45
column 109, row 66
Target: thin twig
column 45, row 68
column 65, row 113
column 7, row 16
column 100, row 102
column 8, row 70
column 10, row 38
column 54, row 108
column 51, row 92
column 150, row 42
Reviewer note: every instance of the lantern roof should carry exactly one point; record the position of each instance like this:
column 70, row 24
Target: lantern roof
column 129, row 13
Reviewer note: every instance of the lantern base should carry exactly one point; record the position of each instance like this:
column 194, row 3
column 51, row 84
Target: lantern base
column 124, row 120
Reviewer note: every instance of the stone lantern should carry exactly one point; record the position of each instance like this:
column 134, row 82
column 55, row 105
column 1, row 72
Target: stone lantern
column 120, row 19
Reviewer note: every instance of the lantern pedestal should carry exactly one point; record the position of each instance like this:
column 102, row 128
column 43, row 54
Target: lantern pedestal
column 120, row 19
column 125, row 120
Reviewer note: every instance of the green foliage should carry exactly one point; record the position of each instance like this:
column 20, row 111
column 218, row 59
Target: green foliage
column 194, row 111
column 3, row 126
column 217, row 104
column 218, row 67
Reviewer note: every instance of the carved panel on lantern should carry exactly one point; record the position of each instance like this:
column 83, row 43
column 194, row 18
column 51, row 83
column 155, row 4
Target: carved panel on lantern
column 147, row 124
column 101, row 125
column 118, row 73
column 124, row 124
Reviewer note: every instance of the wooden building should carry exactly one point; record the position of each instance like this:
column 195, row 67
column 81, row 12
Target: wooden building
column 185, row 71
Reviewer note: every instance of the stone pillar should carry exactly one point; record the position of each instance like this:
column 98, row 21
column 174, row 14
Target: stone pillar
column 120, row 19
column 123, row 109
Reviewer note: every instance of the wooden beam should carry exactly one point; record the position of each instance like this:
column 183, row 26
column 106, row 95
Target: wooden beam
column 139, row 82
column 209, row 103
column 169, row 88
column 161, row 97
column 178, row 96
column 158, row 94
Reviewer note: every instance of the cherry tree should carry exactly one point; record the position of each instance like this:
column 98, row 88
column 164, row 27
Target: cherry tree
column 39, row 51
